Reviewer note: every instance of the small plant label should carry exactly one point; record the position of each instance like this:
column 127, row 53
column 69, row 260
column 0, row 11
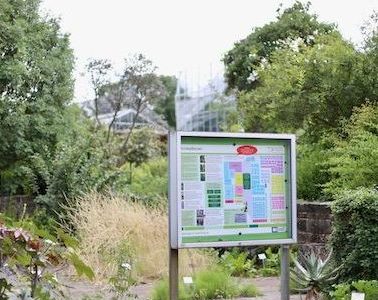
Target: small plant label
column 261, row 256
column 126, row 266
column 187, row 279
column 358, row 296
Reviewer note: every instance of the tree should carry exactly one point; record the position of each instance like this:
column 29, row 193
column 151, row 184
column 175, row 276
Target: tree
column 247, row 55
column 353, row 161
column 36, row 85
column 98, row 70
column 142, row 147
column 137, row 87
column 310, row 89
column 166, row 105
column 144, row 87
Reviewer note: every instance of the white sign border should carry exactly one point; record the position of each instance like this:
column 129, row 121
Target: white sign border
column 174, row 169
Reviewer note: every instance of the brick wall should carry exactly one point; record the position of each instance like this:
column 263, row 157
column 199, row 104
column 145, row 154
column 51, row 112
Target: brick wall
column 314, row 223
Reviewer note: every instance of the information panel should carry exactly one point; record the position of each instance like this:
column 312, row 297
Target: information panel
column 232, row 189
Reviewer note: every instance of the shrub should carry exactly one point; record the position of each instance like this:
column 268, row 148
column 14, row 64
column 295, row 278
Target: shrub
column 214, row 284
column 151, row 178
column 248, row 290
column 343, row 291
column 355, row 233
column 236, row 262
column 353, row 162
column 312, row 172
column 108, row 225
column 161, row 291
column 207, row 284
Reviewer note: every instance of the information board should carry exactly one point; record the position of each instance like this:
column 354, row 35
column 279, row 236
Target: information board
column 231, row 189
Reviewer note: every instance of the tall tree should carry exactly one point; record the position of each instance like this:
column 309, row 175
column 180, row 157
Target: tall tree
column 144, row 87
column 166, row 105
column 310, row 89
column 248, row 54
column 36, row 84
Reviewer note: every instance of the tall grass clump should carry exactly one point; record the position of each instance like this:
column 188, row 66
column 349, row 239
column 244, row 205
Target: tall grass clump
column 114, row 231
column 212, row 283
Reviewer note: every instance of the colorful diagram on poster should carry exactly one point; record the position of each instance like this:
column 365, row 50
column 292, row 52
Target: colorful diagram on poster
column 233, row 189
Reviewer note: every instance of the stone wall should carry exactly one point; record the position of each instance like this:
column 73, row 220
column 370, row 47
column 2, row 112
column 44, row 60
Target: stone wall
column 314, row 223
column 17, row 205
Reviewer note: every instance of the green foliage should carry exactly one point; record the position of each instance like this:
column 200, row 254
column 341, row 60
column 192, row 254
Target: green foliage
column 143, row 145
column 151, row 179
column 272, row 258
column 305, row 89
column 343, row 291
column 370, row 288
column 33, row 257
column 247, row 55
column 313, row 276
column 353, row 161
column 166, row 106
column 214, row 284
column 161, row 292
column 81, row 163
column 237, row 262
column 271, row 265
column 35, row 87
column 248, row 290
column 312, row 172
column 355, row 233
column 124, row 277
column 207, row 284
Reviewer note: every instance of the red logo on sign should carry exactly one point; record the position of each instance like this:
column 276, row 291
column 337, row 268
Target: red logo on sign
column 246, row 150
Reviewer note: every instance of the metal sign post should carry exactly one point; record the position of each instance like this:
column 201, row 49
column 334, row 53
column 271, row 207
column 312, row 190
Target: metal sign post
column 173, row 250
column 285, row 273
column 173, row 274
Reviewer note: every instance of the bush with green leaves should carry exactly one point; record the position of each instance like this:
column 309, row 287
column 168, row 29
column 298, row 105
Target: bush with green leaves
column 353, row 161
column 355, row 233
column 161, row 291
column 151, row 178
column 207, row 284
column 214, row 284
column 312, row 172
column 124, row 277
column 237, row 262
column 36, row 87
column 343, row 291
column 249, row 290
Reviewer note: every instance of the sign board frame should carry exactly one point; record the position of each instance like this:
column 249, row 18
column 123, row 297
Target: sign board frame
column 174, row 153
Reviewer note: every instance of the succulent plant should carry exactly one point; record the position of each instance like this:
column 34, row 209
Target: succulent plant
column 313, row 275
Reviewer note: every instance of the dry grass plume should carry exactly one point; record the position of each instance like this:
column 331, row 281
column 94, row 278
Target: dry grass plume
column 108, row 226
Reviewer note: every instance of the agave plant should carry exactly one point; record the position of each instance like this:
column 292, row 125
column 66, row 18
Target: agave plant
column 314, row 275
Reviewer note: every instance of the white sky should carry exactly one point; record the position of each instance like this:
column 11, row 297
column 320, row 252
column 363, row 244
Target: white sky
column 179, row 35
